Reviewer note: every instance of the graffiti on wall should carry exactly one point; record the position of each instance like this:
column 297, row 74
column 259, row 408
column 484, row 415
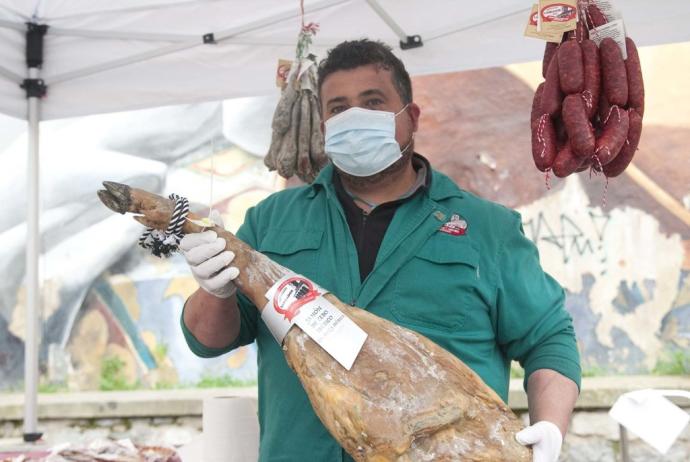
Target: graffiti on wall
column 568, row 235
column 621, row 272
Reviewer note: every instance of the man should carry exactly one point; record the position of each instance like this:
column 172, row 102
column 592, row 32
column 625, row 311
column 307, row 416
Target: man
column 380, row 229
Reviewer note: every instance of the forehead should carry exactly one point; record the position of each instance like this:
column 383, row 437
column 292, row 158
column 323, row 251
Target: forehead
column 351, row 82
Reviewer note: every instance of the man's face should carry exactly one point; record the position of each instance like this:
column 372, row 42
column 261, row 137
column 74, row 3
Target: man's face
column 368, row 87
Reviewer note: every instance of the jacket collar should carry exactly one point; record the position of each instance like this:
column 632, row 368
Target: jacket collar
column 443, row 187
column 324, row 181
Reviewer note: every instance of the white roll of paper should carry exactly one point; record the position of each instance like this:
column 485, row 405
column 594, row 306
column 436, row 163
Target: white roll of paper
column 230, row 429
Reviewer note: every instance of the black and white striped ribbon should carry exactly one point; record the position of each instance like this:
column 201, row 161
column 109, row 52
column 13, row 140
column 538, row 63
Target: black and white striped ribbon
column 164, row 244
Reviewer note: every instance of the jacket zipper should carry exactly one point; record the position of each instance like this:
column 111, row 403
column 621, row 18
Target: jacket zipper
column 361, row 229
column 361, row 237
column 340, row 211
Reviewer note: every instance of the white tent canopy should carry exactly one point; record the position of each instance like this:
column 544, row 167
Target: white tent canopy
column 105, row 56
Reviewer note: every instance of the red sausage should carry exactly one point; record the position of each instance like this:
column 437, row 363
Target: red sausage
column 571, row 74
column 595, row 17
column 536, row 103
column 580, row 33
column 580, row 131
column 551, row 97
column 585, row 165
column 565, row 162
column 612, row 138
column 622, row 160
column 549, row 52
column 613, row 74
column 543, row 142
column 604, row 109
column 635, row 83
column 561, row 133
column 592, row 87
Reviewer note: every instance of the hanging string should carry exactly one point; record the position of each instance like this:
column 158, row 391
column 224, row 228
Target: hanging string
column 164, row 243
column 312, row 27
column 605, row 193
column 307, row 31
column 301, row 7
column 598, row 169
column 213, row 174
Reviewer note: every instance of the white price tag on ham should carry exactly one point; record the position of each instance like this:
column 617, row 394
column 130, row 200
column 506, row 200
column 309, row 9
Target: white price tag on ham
column 295, row 299
column 330, row 328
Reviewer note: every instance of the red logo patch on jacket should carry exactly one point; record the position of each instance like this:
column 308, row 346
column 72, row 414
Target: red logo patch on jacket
column 455, row 227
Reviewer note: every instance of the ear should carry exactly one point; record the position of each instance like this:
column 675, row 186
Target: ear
column 414, row 111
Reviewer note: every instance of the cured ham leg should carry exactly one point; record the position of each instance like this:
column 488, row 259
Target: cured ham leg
column 404, row 399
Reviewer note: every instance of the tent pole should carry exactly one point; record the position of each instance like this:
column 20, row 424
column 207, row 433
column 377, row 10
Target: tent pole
column 32, row 281
column 35, row 89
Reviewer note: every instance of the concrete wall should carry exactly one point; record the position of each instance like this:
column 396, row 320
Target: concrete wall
column 173, row 418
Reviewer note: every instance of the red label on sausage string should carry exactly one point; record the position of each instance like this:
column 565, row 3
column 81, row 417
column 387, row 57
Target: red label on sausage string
column 558, row 12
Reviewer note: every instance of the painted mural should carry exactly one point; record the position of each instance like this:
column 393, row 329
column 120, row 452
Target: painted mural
column 134, row 309
column 621, row 271
column 110, row 312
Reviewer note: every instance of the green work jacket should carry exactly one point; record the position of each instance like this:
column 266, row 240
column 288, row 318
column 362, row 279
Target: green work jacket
column 479, row 292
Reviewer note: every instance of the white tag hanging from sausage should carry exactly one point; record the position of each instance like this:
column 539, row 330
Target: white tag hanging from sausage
column 615, row 30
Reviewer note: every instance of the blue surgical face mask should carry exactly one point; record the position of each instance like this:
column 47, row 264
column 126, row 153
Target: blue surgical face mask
column 362, row 142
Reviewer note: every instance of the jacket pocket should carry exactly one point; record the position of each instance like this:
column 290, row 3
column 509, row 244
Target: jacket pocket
column 295, row 249
column 434, row 288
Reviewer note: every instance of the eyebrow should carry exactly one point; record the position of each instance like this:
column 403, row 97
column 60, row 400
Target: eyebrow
column 364, row 94
column 337, row 99
column 372, row 91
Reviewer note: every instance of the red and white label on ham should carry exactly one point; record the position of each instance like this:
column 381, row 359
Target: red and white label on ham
column 297, row 300
column 292, row 294
column 457, row 226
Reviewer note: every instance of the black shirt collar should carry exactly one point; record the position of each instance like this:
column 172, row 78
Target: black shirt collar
column 423, row 182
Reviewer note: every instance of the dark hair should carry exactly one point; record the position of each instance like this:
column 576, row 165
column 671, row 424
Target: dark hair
column 355, row 53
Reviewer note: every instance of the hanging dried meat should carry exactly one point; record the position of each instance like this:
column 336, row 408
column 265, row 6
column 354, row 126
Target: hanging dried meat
column 297, row 146
column 588, row 112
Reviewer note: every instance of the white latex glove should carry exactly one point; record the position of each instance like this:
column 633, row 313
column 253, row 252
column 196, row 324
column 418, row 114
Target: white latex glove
column 545, row 439
column 209, row 261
